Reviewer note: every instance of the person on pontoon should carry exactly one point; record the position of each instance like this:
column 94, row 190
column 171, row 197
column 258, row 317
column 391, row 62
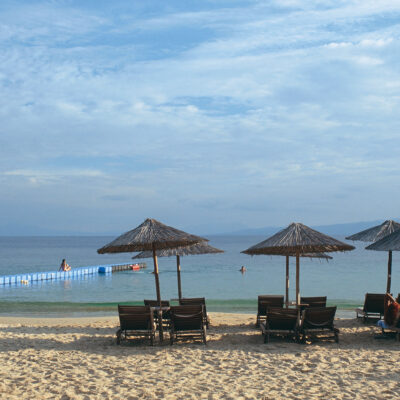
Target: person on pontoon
column 64, row 266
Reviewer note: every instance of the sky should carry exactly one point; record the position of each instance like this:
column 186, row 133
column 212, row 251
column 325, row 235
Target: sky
column 210, row 116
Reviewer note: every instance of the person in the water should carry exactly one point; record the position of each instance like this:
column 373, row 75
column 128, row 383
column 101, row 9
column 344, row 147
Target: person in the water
column 243, row 269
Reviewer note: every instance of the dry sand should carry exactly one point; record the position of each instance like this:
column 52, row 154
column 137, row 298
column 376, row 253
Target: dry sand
column 79, row 359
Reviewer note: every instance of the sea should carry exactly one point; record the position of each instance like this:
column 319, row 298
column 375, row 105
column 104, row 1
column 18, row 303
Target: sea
column 344, row 280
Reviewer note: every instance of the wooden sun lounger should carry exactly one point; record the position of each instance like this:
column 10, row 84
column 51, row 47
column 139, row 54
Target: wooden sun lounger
column 374, row 307
column 187, row 322
column 197, row 300
column 281, row 322
column 135, row 321
column 318, row 322
column 265, row 301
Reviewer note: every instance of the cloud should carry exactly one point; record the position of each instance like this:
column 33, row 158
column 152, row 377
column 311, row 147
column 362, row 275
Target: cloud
column 207, row 106
column 376, row 42
column 37, row 177
column 368, row 61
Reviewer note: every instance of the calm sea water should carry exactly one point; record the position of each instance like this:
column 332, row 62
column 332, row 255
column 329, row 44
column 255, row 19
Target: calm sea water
column 345, row 279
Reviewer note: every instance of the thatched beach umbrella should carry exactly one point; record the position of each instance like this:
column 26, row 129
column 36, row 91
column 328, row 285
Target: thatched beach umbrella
column 297, row 239
column 151, row 235
column 388, row 243
column 195, row 249
column 375, row 234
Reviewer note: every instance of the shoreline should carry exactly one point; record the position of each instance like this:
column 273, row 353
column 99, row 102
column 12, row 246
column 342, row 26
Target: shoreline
column 340, row 314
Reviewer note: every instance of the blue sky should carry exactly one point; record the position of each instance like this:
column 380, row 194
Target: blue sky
column 210, row 116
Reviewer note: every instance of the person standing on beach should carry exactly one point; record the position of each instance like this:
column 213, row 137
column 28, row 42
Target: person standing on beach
column 64, row 266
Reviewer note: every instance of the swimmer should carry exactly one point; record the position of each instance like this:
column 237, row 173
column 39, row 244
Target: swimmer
column 243, row 269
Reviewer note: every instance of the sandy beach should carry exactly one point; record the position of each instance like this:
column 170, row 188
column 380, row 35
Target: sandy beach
column 78, row 358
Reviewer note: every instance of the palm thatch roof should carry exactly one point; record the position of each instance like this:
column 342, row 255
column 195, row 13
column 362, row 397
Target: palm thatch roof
column 297, row 238
column 377, row 232
column 388, row 243
column 198, row 248
column 150, row 234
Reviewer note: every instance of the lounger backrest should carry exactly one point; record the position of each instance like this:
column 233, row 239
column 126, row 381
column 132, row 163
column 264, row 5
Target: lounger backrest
column 266, row 301
column 187, row 309
column 314, row 301
column 155, row 303
column 194, row 300
column 133, row 309
column 135, row 317
column 318, row 317
column 136, row 321
column 282, row 318
column 187, row 317
column 374, row 303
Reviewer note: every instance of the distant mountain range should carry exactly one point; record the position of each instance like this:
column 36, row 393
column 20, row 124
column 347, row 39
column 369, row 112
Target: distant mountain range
column 345, row 229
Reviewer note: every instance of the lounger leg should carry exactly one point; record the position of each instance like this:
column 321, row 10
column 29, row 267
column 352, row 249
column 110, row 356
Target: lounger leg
column 336, row 337
column 258, row 321
column 204, row 338
column 119, row 336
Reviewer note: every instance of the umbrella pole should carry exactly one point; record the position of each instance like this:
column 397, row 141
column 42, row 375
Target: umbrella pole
column 389, row 277
column 297, row 278
column 178, row 273
column 287, row 281
column 158, row 293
